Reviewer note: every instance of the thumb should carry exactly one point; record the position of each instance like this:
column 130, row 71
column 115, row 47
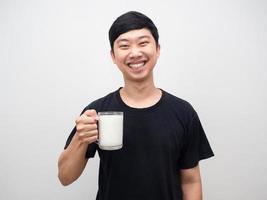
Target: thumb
column 90, row 113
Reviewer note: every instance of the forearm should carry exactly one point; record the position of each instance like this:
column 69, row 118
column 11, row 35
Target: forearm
column 72, row 162
column 191, row 184
column 192, row 191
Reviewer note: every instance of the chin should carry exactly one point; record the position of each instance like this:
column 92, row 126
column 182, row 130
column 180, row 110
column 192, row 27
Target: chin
column 140, row 78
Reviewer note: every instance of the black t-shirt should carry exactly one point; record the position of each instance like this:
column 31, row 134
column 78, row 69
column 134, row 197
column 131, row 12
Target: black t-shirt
column 158, row 141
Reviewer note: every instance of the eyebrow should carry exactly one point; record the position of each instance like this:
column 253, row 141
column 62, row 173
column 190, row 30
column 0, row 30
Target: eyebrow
column 139, row 38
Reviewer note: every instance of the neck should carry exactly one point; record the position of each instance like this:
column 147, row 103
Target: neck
column 139, row 90
column 140, row 94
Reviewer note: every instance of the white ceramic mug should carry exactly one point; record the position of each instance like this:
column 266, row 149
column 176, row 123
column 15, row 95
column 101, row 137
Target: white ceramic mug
column 110, row 129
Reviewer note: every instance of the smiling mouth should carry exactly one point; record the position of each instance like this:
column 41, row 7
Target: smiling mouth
column 136, row 65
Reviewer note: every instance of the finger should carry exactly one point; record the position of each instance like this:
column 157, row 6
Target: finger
column 88, row 120
column 84, row 119
column 90, row 113
column 91, row 133
column 90, row 140
column 86, row 127
column 87, row 135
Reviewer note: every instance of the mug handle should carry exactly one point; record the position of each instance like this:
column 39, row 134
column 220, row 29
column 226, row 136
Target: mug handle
column 97, row 140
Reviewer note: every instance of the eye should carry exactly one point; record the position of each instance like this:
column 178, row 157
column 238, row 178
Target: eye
column 123, row 46
column 144, row 43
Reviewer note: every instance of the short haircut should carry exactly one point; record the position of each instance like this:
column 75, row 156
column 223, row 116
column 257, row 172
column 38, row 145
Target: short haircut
column 131, row 20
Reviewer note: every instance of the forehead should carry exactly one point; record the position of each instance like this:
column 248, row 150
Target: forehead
column 135, row 34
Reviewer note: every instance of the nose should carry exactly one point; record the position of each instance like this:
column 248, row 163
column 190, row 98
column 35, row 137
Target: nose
column 135, row 52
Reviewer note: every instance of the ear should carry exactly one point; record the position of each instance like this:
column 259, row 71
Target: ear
column 158, row 50
column 112, row 56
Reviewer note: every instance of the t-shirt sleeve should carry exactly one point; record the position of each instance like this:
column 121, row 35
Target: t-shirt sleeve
column 195, row 146
column 91, row 150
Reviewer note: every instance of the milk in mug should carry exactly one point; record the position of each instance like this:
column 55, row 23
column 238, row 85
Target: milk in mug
column 110, row 127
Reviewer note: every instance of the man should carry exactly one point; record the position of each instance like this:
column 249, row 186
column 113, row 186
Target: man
column 163, row 138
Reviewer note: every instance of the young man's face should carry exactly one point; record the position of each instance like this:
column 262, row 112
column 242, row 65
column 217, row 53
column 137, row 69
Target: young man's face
column 135, row 53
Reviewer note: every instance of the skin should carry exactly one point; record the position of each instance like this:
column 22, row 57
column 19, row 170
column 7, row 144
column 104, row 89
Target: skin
column 135, row 53
column 72, row 160
column 191, row 184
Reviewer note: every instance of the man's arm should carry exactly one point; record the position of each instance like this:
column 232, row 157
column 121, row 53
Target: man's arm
column 191, row 184
column 72, row 161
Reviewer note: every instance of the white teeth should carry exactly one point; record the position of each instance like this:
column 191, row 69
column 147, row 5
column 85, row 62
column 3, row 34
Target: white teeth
column 137, row 65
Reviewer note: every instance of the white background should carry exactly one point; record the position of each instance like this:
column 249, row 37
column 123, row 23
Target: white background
column 54, row 60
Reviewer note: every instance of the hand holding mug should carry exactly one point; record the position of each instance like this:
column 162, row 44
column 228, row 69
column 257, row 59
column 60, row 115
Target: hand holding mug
column 86, row 127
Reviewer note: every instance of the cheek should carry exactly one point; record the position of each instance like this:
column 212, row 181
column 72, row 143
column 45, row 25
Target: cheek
column 119, row 56
column 151, row 51
column 153, row 55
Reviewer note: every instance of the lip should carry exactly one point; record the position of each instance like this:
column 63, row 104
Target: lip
column 136, row 65
column 137, row 70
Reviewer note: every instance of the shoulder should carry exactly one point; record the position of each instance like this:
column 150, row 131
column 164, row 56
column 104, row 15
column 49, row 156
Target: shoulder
column 182, row 110
column 179, row 107
column 178, row 103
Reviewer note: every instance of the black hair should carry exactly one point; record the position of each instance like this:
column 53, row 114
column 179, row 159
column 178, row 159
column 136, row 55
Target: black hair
column 131, row 20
